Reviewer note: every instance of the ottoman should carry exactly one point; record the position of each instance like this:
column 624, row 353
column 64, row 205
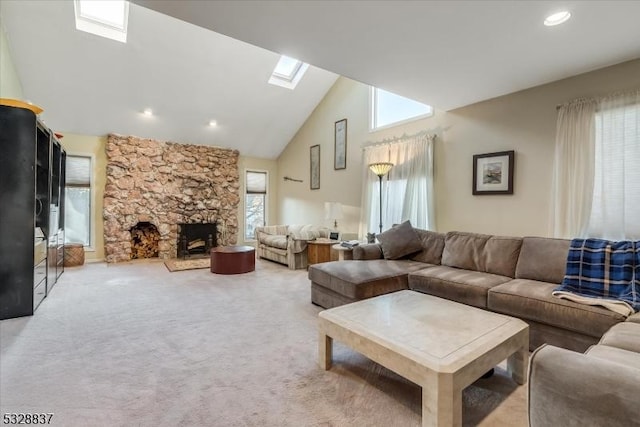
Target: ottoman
column 233, row 259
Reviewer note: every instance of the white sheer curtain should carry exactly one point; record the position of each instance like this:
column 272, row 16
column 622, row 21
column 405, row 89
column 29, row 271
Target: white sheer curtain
column 596, row 172
column 574, row 168
column 407, row 190
column 615, row 212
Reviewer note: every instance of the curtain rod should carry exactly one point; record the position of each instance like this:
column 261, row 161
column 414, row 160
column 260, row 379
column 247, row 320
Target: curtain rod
column 600, row 98
column 394, row 139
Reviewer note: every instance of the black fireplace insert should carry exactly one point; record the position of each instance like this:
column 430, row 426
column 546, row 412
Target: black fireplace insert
column 196, row 239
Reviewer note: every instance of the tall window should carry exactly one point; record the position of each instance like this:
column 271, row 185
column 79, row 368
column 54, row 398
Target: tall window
column 389, row 109
column 255, row 202
column 77, row 211
column 615, row 211
column 407, row 190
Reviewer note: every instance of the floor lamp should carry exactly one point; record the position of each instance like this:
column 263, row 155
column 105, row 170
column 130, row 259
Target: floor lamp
column 380, row 169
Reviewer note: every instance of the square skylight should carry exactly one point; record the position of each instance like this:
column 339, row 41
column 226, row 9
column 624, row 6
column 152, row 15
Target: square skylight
column 288, row 72
column 105, row 18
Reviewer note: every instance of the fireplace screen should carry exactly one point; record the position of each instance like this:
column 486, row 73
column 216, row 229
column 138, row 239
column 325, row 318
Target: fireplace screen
column 196, row 239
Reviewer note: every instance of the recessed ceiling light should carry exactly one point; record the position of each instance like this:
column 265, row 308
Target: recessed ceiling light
column 557, row 18
column 148, row 112
column 213, row 123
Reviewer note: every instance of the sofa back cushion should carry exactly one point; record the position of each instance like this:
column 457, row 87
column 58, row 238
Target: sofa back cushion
column 543, row 259
column 273, row 229
column 465, row 250
column 308, row 232
column 432, row 246
column 501, row 255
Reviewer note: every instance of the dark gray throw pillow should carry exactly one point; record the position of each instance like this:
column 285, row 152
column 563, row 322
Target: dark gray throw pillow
column 399, row 241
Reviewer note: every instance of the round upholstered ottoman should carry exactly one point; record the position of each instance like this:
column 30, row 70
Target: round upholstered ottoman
column 233, row 259
column 73, row 254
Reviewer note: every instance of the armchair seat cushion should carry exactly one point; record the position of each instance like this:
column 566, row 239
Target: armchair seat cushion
column 275, row 241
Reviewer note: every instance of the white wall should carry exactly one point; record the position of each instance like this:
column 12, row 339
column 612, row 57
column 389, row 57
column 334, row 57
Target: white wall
column 10, row 86
column 524, row 121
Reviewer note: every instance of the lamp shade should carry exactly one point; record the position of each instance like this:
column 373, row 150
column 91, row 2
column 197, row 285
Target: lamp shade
column 381, row 169
column 333, row 210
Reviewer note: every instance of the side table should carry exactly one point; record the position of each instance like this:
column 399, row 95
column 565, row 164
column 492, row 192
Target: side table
column 319, row 251
column 344, row 253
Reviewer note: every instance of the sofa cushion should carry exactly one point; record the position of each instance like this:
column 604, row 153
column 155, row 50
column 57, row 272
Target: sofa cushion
column 274, row 240
column 465, row 286
column 532, row 300
column 399, row 241
column 623, row 335
column 465, row 250
column 543, row 259
column 501, row 255
column 363, row 279
column 432, row 245
column 367, row 251
column 614, row 354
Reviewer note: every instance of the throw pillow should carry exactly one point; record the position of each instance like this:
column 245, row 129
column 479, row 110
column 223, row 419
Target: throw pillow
column 399, row 241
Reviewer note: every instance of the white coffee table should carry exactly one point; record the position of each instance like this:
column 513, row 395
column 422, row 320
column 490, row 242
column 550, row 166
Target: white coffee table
column 438, row 344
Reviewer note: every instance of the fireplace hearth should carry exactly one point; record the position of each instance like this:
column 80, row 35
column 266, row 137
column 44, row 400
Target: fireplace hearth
column 196, row 239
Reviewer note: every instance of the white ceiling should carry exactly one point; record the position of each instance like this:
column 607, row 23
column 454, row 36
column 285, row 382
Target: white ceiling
column 186, row 74
column 445, row 53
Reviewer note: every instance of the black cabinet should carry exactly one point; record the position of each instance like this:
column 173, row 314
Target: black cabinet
column 31, row 197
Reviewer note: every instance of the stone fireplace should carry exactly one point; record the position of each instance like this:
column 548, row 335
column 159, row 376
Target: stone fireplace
column 167, row 184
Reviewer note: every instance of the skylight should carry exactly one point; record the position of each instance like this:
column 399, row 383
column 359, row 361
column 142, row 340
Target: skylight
column 288, row 72
column 389, row 109
column 105, row 18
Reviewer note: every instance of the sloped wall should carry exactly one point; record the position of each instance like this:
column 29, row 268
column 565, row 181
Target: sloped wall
column 165, row 184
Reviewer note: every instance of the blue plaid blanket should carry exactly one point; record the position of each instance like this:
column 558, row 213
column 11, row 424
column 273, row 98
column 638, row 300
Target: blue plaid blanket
column 602, row 272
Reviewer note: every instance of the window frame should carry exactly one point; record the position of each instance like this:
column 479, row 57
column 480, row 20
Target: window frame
column 289, row 82
column 92, row 201
column 373, row 104
column 99, row 27
column 244, row 201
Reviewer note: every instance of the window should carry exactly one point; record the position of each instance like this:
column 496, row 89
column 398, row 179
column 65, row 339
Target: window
column 389, row 109
column 255, row 202
column 77, row 208
column 288, row 72
column 105, row 18
column 615, row 212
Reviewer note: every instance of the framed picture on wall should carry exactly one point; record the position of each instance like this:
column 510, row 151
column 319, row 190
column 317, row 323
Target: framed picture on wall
column 314, row 160
column 340, row 140
column 493, row 173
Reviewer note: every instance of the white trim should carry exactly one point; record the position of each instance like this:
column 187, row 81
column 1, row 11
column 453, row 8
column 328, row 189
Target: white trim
column 244, row 201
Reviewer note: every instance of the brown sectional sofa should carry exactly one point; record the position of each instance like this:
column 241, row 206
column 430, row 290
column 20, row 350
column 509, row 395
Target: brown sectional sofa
column 509, row 275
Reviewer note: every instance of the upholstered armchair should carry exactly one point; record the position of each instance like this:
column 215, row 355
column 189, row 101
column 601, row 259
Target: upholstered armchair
column 287, row 244
column 597, row 388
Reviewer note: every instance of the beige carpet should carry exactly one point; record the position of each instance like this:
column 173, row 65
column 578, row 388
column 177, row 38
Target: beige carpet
column 187, row 264
column 135, row 345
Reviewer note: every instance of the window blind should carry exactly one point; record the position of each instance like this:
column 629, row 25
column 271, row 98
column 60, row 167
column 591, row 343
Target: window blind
column 78, row 172
column 256, row 182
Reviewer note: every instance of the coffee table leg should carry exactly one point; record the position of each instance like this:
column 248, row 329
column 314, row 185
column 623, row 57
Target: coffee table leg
column 325, row 351
column 441, row 404
column 517, row 365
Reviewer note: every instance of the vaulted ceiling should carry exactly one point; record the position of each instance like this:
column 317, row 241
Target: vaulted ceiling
column 444, row 53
